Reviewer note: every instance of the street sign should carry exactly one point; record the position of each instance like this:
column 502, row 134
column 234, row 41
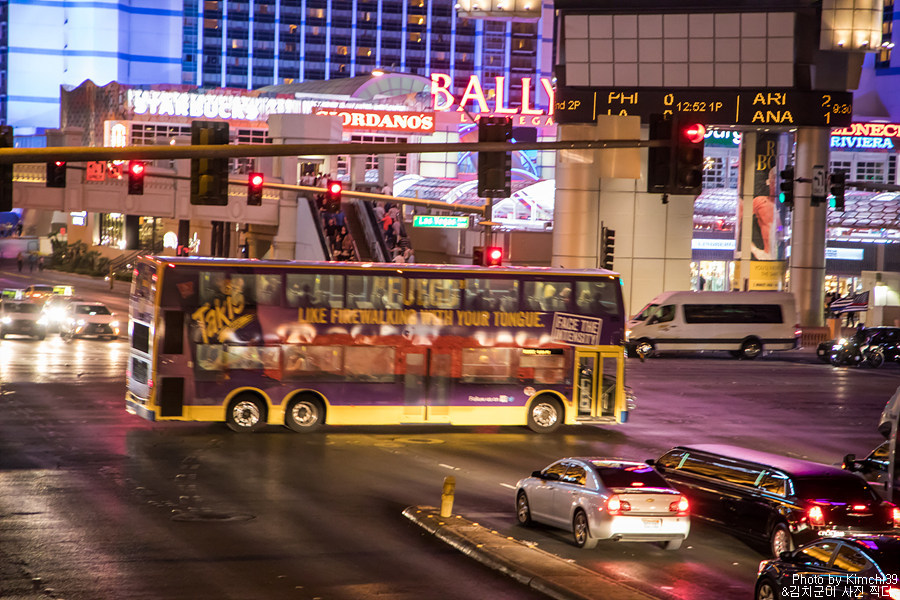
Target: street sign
column 441, row 221
column 819, row 183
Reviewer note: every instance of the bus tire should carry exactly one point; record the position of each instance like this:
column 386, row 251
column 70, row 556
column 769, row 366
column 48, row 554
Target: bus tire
column 545, row 414
column 246, row 413
column 751, row 348
column 304, row 413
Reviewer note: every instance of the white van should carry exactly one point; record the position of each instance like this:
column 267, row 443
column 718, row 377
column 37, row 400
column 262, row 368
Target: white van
column 744, row 323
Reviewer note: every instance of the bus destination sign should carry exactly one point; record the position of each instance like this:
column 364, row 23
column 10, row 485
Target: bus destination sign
column 751, row 107
column 442, row 221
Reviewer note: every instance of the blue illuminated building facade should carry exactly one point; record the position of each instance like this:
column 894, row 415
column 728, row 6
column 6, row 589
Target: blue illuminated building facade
column 249, row 44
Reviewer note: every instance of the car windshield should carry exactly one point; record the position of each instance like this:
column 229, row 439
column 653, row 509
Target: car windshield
column 834, row 489
column 23, row 308
column 91, row 309
column 630, row 476
column 42, row 288
column 645, row 312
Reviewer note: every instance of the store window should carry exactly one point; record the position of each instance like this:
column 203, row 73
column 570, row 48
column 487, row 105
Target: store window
column 112, row 230
column 870, row 171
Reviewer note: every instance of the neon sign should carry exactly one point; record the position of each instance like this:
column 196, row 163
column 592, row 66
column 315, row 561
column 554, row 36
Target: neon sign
column 415, row 122
column 860, row 136
column 444, row 100
column 209, row 106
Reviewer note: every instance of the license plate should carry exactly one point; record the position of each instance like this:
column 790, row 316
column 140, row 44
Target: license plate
column 652, row 523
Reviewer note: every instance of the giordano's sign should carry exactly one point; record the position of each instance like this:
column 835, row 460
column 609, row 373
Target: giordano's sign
column 475, row 99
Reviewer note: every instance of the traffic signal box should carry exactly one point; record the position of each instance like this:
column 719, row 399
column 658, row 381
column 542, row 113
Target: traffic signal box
column 786, row 187
column 255, row 189
column 56, row 174
column 209, row 176
column 492, row 256
column 136, row 171
column 607, row 247
column 494, row 167
column 6, row 171
column 676, row 168
column 333, row 190
column 838, row 188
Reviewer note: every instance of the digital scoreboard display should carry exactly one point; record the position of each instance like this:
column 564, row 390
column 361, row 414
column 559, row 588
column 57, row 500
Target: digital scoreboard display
column 751, row 107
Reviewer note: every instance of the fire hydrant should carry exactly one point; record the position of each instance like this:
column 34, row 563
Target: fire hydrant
column 447, row 496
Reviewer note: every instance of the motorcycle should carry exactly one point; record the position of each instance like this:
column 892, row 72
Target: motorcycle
column 855, row 353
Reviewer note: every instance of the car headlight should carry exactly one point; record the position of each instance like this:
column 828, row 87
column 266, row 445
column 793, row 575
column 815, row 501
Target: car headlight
column 627, row 334
column 6, row 320
column 114, row 324
column 42, row 321
column 79, row 322
column 840, row 342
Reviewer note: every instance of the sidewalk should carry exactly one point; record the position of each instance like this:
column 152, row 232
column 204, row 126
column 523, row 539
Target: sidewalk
column 544, row 572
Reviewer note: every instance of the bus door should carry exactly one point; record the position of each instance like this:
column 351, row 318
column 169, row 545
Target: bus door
column 599, row 383
column 426, row 387
column 414, row 378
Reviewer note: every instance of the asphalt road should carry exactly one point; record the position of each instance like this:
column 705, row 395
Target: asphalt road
column 96, row 503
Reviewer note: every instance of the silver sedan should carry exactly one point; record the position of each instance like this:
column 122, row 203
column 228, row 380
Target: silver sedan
column 604, row 499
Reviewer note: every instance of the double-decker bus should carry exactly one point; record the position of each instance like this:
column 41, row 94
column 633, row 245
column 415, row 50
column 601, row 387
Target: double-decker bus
column 257, row 342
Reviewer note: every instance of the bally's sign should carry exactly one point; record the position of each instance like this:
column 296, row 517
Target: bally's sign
column 475, row 99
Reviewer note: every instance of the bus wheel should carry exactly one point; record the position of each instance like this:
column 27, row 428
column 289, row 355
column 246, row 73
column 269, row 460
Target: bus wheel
column 304, row 414
column 246, row 413
column 751, row 348
column 545, row 415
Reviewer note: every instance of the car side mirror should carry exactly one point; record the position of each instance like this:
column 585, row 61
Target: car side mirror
column 651, row 462
column 849, row 462
column 537, row 474
column 786, row 556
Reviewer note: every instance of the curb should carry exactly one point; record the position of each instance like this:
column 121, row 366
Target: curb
column 542, row 571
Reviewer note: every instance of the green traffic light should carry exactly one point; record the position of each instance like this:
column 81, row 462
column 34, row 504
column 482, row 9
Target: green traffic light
column 781, row 198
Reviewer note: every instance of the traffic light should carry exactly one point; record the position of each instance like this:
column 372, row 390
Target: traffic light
column 787, row 187
column 676, row 167
column 494, row 167
column 838, row 187
column 56, row 174
column 255, row 189
column 333, row 191
column 493, row 256
column 687, row 162
column 6, row 171
column 478, row 255
column 209, row 176
column 136, row 170
column 659, row 158
column 607, row 247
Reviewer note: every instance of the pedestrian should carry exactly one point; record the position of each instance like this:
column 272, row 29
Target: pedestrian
column 20, row 260
column 41, row 263
column 111, row 277
column 32, row 260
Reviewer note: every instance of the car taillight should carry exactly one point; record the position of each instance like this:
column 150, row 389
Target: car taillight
column 893, row 514
column 798, row 331
column 616, row 506
column 816, row 516
column 680, row 506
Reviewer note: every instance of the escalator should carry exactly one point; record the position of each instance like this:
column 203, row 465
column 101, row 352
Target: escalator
column 359, row 218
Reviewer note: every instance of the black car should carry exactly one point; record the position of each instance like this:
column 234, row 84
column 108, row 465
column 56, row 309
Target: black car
column 772, row 499
column 857, row 566
column 888, row 338
column 874, row 467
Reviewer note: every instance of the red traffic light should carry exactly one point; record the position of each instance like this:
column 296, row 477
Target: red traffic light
column 493, row 256
column 255, row 189
column 136, row 167
column 335, row 187
column 694, row 133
